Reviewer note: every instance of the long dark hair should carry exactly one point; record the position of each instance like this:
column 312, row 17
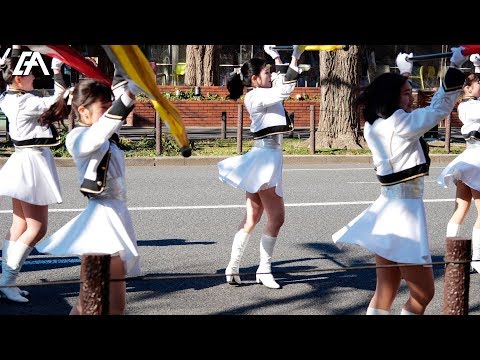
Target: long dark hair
column 380, row 99
column 85, row 93
column 7, row 69
column 471, row 77
column 7, row 73
column 236, row 82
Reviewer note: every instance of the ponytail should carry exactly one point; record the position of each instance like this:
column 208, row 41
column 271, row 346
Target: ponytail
column 236, row 81
column 57, row 112
column 234, row 85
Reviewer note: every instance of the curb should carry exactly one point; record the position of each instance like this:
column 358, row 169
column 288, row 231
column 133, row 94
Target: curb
column 213, row 160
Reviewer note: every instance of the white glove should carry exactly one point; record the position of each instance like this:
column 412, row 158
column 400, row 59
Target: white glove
column 273, row 53
column 475, row 59
column 457, row 58
column 404, row 63
column 56, row 64
column 298, row 51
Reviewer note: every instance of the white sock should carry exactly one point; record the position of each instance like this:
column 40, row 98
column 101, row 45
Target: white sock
column 373, row 311
column 406, row 312
column 452, row 229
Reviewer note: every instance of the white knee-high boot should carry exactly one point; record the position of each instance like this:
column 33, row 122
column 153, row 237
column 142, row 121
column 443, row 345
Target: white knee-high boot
column 238, row 247
column 374, row 311
column 6, row 247
column 476, row 249
column 264, row 276
column 453, row 229
column 17, row 254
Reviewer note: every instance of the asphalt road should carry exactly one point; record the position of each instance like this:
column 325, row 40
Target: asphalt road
column 185, row 219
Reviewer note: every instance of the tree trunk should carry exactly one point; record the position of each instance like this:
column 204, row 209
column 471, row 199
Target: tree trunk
column 210, row 66
column 200, row 65
column 199, row 55
column 190, row 72
column 339, row 123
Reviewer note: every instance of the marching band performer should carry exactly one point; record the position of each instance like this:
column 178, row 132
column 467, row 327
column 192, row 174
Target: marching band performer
column 105, row 226
column 29, row 176
column 394, row 226
column 259, row 171
column 464, row 170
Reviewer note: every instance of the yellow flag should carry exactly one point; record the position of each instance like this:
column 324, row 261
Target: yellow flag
column 137, row 68
column 323, row 47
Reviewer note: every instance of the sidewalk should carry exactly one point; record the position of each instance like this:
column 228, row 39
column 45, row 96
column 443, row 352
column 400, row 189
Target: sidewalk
column 300, row 133
column 215, row 133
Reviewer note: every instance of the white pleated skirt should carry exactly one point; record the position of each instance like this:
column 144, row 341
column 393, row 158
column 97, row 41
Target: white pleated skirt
column 394, row 226
column 104, row 227
column 465, row 167
column 257, row 169
column 30, row 175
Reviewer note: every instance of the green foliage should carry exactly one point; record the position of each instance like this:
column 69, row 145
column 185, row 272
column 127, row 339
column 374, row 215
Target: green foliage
column 213, row 97
column 61, row 150
column 190, row 95
column 142, row 97
column 6, row 148
column 303, row 97
column 4, row 145
column 145, row 147
column 182, row 95
column 219, row 147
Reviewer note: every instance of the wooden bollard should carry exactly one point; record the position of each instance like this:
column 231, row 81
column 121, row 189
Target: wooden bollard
column 457, row 276
column 240, row 129
column 158, row 134
column 95, row 284
column 223, row 132
column 448, row 132
column 312, row 129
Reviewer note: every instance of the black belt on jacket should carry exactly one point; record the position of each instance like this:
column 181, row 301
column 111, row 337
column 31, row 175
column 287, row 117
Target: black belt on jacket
column 404, row 175
column 53, row 141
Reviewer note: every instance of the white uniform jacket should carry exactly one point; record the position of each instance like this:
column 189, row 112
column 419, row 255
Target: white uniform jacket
column 395, row 142
column 265, row 105
column 91, row 147
column 469, row 115
column 23, row 110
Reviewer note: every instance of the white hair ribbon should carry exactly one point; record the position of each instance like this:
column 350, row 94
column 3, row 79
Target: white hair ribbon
column 68, row 94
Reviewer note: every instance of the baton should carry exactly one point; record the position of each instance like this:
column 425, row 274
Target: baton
column 469, row 50
column 313, row 47
column 431, row 56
